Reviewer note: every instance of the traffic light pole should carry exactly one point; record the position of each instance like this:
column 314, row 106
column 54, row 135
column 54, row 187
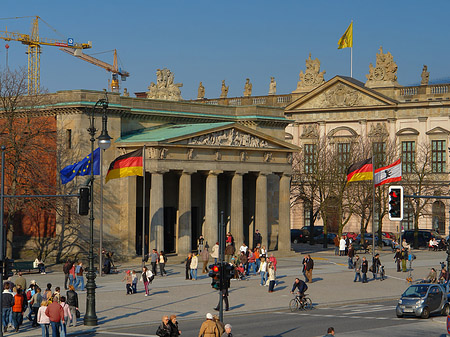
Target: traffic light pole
column 2, row 225
column 221, row 259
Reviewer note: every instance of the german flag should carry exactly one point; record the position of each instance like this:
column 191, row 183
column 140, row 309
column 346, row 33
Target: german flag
column 129, row 164
column 360, row 171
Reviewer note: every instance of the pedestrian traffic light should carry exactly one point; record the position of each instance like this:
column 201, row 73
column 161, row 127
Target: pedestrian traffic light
column 83, row 201
column 214, row 273
column 396, row 203
column 8, row 266
column 228, row 271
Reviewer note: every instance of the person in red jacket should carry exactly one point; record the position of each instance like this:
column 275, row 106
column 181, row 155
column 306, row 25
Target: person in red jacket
column 56, row 315
column 17, row 309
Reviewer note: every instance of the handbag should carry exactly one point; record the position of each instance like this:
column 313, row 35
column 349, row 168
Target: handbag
column 77, row 313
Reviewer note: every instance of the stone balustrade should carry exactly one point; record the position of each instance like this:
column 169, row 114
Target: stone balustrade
column 270, row 100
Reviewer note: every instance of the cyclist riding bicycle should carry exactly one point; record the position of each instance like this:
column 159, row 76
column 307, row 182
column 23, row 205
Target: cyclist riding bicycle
column 301, row 288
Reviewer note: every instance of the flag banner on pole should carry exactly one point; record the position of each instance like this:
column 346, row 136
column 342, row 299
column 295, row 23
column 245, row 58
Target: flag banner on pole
column 129, row 164
column 360, row 171
column 346, row 41
column 388, row 174
column 82, row 168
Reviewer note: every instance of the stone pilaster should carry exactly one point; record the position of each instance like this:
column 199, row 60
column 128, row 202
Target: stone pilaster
column 157, row 212
column 237, row 208
column 184, row 215
column 211, row 209
column 261, row 209
column 284, row 227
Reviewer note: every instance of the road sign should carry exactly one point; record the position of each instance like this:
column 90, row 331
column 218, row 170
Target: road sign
column 70, row 42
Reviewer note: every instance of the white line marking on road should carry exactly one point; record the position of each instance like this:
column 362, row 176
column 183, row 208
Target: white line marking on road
column 123, row 334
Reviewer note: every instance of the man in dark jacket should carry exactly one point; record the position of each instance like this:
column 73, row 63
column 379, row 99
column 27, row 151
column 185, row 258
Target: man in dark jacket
column 66, row 269
column 351, row 255
column 309, row 268
column 72, row 302
column 398, row 259
column 257, row 238
column 7, row 304
column 164, row 328
column 301, row 286
column 364, row 269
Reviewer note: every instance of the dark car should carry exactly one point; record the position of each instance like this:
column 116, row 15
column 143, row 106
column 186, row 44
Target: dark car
column 421, row 300
column 424, row 236
column 295, row 235
column 368, row 237
column 320, row 238
column 305, row 235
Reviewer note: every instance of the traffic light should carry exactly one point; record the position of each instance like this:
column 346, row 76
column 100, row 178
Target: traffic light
column 214, row 273
column 83, row 201
column 228, row 274
column 396, row 203
column 7, row 268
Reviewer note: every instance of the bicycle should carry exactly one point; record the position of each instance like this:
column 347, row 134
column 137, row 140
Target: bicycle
column 298, row 303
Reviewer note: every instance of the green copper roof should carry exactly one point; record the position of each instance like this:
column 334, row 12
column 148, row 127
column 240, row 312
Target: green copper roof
column 168, row 131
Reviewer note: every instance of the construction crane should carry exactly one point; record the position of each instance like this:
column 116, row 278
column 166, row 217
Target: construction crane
column 114, row 68
column 34, row 43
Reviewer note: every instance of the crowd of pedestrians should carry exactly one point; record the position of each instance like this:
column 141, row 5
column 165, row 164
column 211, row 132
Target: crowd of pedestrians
column 49, row 309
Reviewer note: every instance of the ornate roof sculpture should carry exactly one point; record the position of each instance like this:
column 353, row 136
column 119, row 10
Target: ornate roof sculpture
column 384, row 74
column 312, row 77
column 165, row 88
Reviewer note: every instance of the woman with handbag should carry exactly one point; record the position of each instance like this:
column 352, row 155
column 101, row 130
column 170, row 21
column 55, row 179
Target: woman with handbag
column 72, row 301
column 146, row 278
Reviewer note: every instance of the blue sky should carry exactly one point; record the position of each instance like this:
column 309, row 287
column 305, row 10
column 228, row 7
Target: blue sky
column 209, row 41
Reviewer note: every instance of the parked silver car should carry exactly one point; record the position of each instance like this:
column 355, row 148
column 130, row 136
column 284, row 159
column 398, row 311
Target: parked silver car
column 422, row 300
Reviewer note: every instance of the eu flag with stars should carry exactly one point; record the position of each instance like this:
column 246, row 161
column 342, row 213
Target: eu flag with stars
column 82, row 168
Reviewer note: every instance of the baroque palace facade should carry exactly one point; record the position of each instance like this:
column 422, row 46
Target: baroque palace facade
column 345, row 111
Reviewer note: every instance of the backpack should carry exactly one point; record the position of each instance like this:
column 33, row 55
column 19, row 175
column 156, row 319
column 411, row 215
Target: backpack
column 66, row 268
column 151, row 278
column 29, row 295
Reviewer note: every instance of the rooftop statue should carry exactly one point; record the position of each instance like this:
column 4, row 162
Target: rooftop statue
column 384, row 73
column 247, row 88
column 201, row 91
column 165, row 88
column 312, row 77
column 425, row 76
column 272, row 86
column 224, row 90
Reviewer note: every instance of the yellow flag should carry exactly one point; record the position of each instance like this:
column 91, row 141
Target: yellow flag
column 346, row 41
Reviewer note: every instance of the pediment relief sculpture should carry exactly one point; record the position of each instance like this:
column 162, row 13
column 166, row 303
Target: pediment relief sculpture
column 310, row 131
column 341, row 95
column 267, row 156
column 384, row 73
column 229, row 137
column 312, row 77
column 378, row 131
column 156, row 153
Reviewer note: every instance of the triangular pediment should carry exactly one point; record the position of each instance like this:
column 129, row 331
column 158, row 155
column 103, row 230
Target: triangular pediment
column 235, row 135
column 339, row 93
column 437, row 130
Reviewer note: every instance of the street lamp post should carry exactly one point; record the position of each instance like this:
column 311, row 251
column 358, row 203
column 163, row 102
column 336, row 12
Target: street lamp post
column 104, row 142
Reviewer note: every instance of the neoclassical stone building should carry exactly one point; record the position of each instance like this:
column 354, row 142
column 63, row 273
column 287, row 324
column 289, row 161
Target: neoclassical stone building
column 201, row 162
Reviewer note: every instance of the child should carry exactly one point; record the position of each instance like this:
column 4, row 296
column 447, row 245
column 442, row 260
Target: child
column 134, row 281
column 129, row 279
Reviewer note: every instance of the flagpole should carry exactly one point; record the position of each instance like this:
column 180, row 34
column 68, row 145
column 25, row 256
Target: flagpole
column 351, row 61
column 100, row 269
column 143, row 205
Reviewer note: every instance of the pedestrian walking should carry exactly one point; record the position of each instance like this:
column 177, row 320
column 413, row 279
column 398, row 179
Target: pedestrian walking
column 376, row 263
column 72, row 275
column 48, row 292
column 209, row 327
column 164, row 328
column 146, row 278
column 342, row 245
column 398, row 259
column 55, row 313
column 364, row 269
column 204, row 255
column 224, row 298
column 174, row 330
column 193, row 266
column 200, row 243
column 35, row 304
column 29, row 293
column 251, row 262
column 257, row 238
column 162, row 263
column 79, row 276
column 66, row 270
column 305, row 259
column 154, row 261
column 43, row 319
column 357, row 266
column 21, row 281
column 17, row 309
column 57, row 295
column 215, row 252
column 272, row 277
column 67, row 316
column 72, row 302
column 350, row 255
column 227, row 332
column 262, row 272
column 309, row 268
column 7, row 304
column 336, row 245
column 188, row 267
column 128, row 281
column 219, row 324
column 134, row 281
column 404, row 259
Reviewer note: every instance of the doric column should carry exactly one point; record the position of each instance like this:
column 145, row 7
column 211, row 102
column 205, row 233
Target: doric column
column 210, row 231
column 237, row 208
column 184, row 215
column 261, row 208
column 284, row 223
column 157, row 212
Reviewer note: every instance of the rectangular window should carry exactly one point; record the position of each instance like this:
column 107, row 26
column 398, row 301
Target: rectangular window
column 438, row 156
column 69, row 138
column 379, row 153
column 310, row 158
column 343, row 156
column 306, row 213
column 408, row 216
column 408, row 156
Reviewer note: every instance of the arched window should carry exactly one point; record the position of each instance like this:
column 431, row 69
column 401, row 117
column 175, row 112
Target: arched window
column 438, row 219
